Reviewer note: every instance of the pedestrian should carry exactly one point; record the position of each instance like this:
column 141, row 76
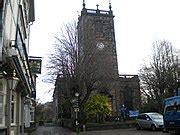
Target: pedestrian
column 123, row 113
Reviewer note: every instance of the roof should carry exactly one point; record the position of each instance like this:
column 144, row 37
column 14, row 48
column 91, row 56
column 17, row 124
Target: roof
column 171, row 98
column 149, row 113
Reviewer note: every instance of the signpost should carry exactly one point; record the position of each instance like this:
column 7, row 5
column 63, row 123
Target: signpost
column 76, row 110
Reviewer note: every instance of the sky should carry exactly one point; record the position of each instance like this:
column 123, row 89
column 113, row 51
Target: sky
column 138, row 23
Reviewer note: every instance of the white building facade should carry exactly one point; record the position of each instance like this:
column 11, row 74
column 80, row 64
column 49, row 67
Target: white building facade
column 17, row 84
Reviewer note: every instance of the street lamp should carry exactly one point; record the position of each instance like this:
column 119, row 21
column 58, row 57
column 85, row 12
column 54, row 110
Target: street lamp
column 178, row 76
column 77, row 94
column 76, row 110
column 13, row 81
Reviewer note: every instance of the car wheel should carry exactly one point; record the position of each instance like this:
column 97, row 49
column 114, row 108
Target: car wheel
column 153, row 127
column 177, row 132
column 138, row 127
column 164, row 130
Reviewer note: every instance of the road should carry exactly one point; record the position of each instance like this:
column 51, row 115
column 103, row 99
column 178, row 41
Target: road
column 63, row 131
column 131, row 131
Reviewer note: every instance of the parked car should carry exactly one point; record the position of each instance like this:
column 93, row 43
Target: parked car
column 150, row 120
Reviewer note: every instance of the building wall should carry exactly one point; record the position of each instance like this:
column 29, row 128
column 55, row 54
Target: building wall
column 14, row 59
column 129, row 91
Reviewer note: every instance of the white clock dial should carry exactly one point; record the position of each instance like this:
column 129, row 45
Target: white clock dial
column 100, row 45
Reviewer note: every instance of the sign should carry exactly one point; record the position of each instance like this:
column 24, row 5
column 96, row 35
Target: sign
column 74, row 100
column 76, row 109
column 35, row 64
column 133, row 113
column 75, row 105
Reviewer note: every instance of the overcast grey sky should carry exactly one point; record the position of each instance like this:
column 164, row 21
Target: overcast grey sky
column 137, row 24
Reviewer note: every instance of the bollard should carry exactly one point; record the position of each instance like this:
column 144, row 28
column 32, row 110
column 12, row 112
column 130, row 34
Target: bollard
column 84, row 128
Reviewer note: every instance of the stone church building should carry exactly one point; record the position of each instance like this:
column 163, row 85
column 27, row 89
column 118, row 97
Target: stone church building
column 96, row 41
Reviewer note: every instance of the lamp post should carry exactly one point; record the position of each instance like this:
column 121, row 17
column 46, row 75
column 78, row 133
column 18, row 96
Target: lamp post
column 76, row 110
column 178, row 76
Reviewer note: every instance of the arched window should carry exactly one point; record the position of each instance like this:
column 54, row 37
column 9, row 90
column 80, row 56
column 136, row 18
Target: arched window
column 128, row 97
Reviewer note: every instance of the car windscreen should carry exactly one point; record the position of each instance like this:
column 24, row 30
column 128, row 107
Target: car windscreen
column 170, row 102
column 156, row 116
column 169, row 105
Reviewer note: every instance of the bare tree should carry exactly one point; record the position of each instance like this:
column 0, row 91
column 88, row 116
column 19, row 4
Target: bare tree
column 63, row 60
column 158, row 79
column 75, row 64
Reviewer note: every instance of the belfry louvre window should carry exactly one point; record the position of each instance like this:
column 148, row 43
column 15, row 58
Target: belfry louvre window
column 99, row 26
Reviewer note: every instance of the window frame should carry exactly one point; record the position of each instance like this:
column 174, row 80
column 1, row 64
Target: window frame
column 3, row 93
column 13, row 101
column 32, row 114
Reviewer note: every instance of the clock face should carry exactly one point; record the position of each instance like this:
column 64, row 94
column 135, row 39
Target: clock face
column 100, row 46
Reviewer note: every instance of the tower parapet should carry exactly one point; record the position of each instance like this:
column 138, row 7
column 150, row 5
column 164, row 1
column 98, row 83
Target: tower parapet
column 96, row 11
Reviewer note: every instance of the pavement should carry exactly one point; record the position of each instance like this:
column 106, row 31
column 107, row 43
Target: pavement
column 44, row 130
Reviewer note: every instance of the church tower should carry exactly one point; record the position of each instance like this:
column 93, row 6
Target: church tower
column 96, row 36
column 96, row 43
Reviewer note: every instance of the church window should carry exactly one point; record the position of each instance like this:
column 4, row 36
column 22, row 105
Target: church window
column 128, row 97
